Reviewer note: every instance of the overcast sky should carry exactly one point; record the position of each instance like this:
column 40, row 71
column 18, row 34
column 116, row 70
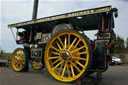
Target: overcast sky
column 13, row 11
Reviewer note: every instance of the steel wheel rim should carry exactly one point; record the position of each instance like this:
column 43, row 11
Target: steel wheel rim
column 73, row 62
column 18, row 60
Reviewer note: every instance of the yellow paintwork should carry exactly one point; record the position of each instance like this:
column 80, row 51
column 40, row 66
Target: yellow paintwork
column 37, row 65
column 74, row 65
column 18, row 59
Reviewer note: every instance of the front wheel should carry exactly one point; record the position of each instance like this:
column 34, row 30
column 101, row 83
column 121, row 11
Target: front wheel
column 19, row 60
column 68, row 56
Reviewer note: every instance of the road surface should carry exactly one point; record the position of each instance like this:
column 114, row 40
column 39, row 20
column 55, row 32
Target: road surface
column 115, row 75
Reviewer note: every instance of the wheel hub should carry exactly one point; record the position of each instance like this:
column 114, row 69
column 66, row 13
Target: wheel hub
column 65, row 55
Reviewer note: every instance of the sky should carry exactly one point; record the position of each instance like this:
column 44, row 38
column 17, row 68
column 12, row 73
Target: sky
column 13, row 11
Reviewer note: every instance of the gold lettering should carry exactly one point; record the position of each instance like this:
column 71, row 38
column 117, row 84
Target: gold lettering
column 81, row 13
column 92, row 11
column 69, row 15
column 63, row 16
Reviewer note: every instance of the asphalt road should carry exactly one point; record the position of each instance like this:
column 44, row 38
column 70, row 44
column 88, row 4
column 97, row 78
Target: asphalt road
column 115, row 75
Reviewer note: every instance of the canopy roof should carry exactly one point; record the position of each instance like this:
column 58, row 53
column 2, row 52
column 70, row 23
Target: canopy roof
column 83, row 19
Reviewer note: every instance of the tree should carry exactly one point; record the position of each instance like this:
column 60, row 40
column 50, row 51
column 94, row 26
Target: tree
column 1, row 51
column 120, row 44
column 127, row 44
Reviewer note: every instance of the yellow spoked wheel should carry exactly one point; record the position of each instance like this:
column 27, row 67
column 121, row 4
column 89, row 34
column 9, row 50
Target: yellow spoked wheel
column 67, row 56
column 37, row 65
column 18, row 60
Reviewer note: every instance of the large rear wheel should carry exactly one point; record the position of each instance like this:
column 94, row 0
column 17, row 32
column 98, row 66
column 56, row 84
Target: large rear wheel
column 68, row 56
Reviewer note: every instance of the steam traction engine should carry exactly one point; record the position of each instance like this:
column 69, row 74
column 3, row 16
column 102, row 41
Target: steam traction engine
column 61, row 44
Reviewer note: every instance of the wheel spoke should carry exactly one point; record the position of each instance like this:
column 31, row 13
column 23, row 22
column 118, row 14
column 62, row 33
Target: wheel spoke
column 65, row 42
column 15, row 60
column 68, row 40
column 61, row 66
column 68, row 71
column 22, row 59
column 56, row 61
column 64, row 70
column 75, row 66
column 55, row 57
column 77, row 43
column 22, row 62
column 55, row 48
column 17, row 54
column 78, row 49
column 58, row 45
column 21, row 54
column 56, row 66
column 73, row 74
column 21, row 66
column 60, row 41
column 55, row 53
column 80, row 53
column 16, row 64
column 79, row 64
column 72, row 43
column 79, row 58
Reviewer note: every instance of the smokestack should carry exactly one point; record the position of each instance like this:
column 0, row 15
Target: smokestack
column 35, row 9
